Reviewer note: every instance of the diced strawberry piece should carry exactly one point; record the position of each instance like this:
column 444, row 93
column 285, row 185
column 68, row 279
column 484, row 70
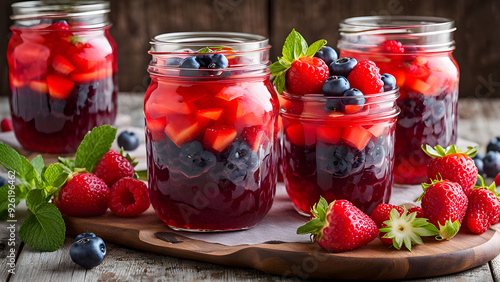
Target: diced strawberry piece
column 61, row 65
column 59, row 87
column 400, row 78
column 435, row 83
column 156, row 127
column 164, row 103
column 192, row 93
column 182, row 128
column 352, row 109
column 329, row 134
column 16, row 82
column 378, row 129
column 86, row 77
column 356, row 136
column 213, row 114
column 85, row 59
column 231, row 92
column 219, row 137
column 418, row 85
column 255, row 136
column 31, row 53
column 39, row 86
column 301, row 135
column 247, row 120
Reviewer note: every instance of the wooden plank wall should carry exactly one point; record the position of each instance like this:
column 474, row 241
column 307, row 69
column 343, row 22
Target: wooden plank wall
column 136, row 21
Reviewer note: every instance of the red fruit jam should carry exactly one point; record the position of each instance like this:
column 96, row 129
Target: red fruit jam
column 335, row 154
column 211, row 131
column 62, row 71
column 426, row 73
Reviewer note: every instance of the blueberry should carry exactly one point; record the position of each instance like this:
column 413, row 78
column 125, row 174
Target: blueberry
column 3, row 181
column 240, row 160
column 389, row 81
column 332, row 105
column 190, row 63
column 438, row 111
column 480, row 166
column 128, row 140
column 327, row 54
column 219, row 61
column 491, row 163
column 84, row 235
column 352, row 97
column 88, row 252
column 194, row 160
column 342, row 66
column 335, row 86
column 204, row 60
column 494, row 145
column 340, row 161
column 375, row 156
column 173, row 62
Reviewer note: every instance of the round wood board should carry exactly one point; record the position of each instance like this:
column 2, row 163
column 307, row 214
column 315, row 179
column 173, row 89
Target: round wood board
column 305, row 260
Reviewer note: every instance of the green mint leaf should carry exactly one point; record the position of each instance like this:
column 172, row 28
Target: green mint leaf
column 204, row 50
column 55, row 176
column 75, row 39
column 315, row 47
column 35, row 198
column 44, row 229
column 278, row 70
column 94, row 145
column 295, row 47
column 11, row 160
column 67, row 162
column 210, row 49
column 5, row 200
column 38, row 164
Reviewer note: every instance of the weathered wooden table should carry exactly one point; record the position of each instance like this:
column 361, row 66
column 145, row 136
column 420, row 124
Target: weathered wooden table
column 479, row 122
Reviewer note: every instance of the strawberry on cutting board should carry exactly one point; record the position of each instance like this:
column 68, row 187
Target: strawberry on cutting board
column 444, row 204
column 483, row 209
column 452, row 164
column 339, row 226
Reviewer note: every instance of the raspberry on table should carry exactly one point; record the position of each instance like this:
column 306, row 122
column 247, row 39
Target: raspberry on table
column 113, row 167
column 366, row 77
column 129, row 197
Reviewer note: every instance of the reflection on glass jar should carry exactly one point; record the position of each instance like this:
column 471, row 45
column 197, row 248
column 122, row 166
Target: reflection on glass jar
column 211, row 129
column 418, row 52
column 62, row 71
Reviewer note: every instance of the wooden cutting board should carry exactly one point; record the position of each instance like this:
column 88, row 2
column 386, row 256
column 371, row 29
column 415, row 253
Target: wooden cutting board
column 305, row 260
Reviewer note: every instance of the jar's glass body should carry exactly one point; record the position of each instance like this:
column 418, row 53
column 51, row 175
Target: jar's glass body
column 336, row 155
column 212, row 162
column 427, row 75
column 62, row 76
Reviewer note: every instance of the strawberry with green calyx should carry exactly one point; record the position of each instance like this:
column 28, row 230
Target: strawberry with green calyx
column 298, row 71
column 406, row 229
column 483, row 209
column 444, row 204
column 339, row 226
column 453, row 164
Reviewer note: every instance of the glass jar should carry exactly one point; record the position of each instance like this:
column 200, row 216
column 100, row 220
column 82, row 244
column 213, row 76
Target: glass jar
column 211, row 133
column 338, row 154
column 62, row 70
column 426, row 73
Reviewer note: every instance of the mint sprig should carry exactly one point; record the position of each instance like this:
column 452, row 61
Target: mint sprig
column 295, row 47
column 44, row 229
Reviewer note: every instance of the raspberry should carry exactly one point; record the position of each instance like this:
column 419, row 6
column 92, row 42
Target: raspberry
column 112, row 167
column 366, row 77
column 83, row 195
column 6, row 125
column 129, row 197
column 306, row 75
column 392, row 46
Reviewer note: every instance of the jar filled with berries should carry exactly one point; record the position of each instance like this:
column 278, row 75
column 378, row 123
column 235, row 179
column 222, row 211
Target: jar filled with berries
column 417, row 51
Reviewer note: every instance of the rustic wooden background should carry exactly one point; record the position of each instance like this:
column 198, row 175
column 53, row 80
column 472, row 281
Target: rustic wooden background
column 136, row 21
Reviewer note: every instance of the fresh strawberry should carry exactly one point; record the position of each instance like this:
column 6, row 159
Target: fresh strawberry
column 83, row 195
column 453, row 165
column 59, row 87
column 381, row 213
column 366, row 77
column 444, row 203
column 340, row 226
column 298, row 71
column 128, row 197
column 392, row 46
column 112, row 167
column 6, row 125
column 483, row 209
column 417, row 210
column 497, row 180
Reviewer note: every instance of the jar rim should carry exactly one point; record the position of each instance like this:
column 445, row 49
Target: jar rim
column 320, row 97
column 39, row 9
column 182, row 42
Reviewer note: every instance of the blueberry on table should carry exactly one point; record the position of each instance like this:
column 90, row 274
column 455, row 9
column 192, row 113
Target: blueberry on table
column 491, row 163
column 389, row 81
column 129, row 140
column 88, row 252
column 3, row 181
column 327, row 54
column 194, row 160
column 84, row 235
column 494, row 145
column 342, row 66
column 335, row 86
column 478, row 161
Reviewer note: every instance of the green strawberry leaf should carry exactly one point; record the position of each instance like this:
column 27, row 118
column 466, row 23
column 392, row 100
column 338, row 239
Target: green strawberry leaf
column 44, row 229
column 95, row 144
column 311, row 226
column 315, row 47
column 448, row 230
